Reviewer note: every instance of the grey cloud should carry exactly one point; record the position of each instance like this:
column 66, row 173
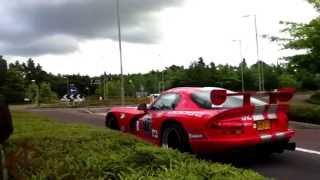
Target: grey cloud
column 56, row 44
column 30, row 25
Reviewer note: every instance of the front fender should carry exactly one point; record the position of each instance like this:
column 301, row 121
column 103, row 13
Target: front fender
column 125, row 115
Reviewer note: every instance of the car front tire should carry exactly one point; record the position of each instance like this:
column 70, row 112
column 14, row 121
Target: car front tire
column 111, row 122
column 173, row 136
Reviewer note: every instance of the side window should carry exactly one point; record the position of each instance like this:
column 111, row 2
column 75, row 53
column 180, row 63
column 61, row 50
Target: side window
column 166, row 102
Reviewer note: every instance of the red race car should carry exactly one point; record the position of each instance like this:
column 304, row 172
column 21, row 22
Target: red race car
column 207, row 120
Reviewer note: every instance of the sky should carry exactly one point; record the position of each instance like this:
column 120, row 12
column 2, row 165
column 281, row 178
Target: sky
column 80, row 36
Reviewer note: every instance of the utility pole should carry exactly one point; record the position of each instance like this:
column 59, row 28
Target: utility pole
column 260, row 65
column 120, row 53
column 67, row 78
column 37, row 93
column 163, row 84
column 68, row 85
column 258, row 56
column 263, row 36
column 241, row 64
column 104, row 86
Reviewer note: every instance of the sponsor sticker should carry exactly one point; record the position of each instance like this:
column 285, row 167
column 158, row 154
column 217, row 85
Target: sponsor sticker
column 155, row 133
column 122, row 115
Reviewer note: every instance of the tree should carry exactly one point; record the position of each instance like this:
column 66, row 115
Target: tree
column 34, row 72
column 13, row 88
column 249, row 76
column 198, row 74
column 287, row 80
column 304, row 37
column 46, row 94
column 316, row 4
column 3, row 70
column 270, row 76
column 31, row 92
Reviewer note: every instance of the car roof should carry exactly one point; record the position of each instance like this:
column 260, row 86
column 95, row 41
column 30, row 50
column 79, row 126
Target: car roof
column 191, row 89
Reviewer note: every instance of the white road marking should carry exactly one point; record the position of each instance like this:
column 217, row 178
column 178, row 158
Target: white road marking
column 307, row 151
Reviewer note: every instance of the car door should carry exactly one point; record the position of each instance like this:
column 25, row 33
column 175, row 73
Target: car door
column 166, row 102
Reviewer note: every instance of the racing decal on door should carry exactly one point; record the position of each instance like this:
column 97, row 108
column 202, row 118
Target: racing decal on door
column 147, row 124
column 155, row 133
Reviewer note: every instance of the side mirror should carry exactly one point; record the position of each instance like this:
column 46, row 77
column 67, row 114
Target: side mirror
column 142, row 107
column 218, row 96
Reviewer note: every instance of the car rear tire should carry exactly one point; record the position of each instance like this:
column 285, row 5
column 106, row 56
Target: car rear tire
column 173, row 136
column 111, row 122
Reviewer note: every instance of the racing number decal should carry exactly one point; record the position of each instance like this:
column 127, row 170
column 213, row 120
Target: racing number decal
column 147, row 123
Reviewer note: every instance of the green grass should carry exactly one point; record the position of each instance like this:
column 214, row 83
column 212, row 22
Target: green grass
column 44, row 149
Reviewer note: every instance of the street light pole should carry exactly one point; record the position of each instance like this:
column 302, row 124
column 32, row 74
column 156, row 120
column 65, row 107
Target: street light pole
column 162, row 86
column 257, row 50
column 37, row 93
column 66, row 77
column 241, row 64
column 68, row 85
column 120, row 53
column 264, row 36
column 260, row 67
column 104, row 86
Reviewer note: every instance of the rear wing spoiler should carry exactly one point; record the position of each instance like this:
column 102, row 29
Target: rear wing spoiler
column 281, row 95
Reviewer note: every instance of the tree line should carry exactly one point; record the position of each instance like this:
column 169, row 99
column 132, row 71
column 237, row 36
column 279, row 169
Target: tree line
column 22, row 80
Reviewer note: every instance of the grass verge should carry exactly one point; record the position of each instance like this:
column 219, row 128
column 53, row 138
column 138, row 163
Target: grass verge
column 44, row 149
column 304, row 112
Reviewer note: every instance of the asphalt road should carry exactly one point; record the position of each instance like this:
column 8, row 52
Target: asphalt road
column 303, row 163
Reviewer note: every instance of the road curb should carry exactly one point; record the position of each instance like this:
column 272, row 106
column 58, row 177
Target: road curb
column 304, row 124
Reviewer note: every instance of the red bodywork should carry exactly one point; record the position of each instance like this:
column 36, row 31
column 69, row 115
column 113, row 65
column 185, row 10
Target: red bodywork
column 212, row 130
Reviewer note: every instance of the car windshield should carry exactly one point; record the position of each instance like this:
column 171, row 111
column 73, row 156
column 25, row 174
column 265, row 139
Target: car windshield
column 202, row 98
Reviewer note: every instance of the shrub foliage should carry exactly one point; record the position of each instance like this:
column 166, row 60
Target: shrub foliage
column 44, row 149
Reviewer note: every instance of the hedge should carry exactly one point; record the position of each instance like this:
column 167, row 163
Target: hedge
column 304, row 112
column 44, row 149
column 315, row 98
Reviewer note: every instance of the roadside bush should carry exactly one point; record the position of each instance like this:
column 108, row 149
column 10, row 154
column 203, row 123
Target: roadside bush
column 315, row 98
column 287, row 80
column 46, row 94
column 310, row 81
column 44, row 149
column 305, row 113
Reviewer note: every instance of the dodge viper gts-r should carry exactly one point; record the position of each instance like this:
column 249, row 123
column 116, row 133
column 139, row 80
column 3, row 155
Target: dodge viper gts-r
column 207, row 120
